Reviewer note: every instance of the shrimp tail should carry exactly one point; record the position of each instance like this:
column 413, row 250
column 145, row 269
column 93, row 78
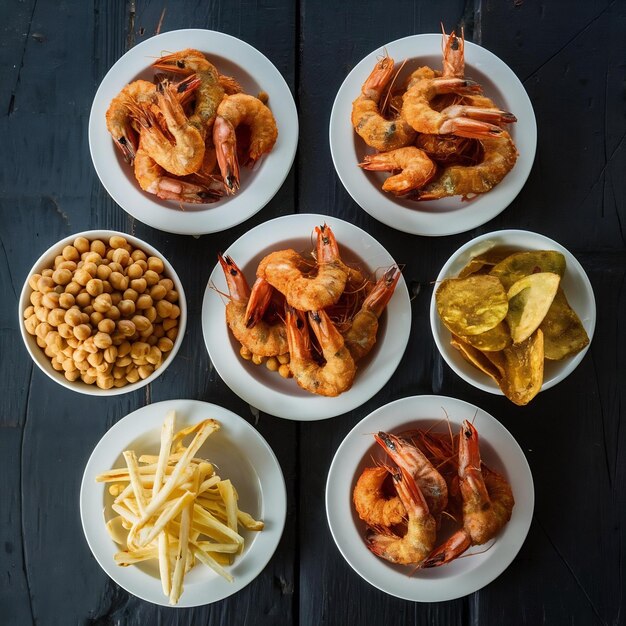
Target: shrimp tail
column 260, row 298
column 235, row 280
column 380, row 295
column 449, row 550
column 225, row 142
column 327, row 246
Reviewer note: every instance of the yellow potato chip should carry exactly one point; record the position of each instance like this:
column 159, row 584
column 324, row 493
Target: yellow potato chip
column 472, row 305
column 523, row 369
column 482, row 263
column 563, row 332
column 522, row 264
column 529, row 300
column 476, row 358
column 492, row 340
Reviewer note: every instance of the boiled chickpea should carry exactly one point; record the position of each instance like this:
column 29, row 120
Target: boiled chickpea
column 283, row 358
column 95, row 318
column 66, row 300
column 57, row 366
column 139, row 350
column 45, row 284
column 90, row 268
column 141, row 323
column 158, row 292
column 50, row 300
column 95, row 358
column 98, row 246
column 284, row 371
column 73, row 375
column 110, row 354
column 138, row 255
column 126, row 327
column 257, row 360
column 138, row 284
column 36, row 298
column 134, row 271
column 90, row 346
column 62, row 276
column 81, row 244
column 171, row 296
column 165, row 344
column 31, row 324
column 133, row 375
column 117, row 242
column 72, row 342
column 272, row 364
column 151, row 339
column 92, row 257
column 29, row 311
column 33, row 280
column 150, row 313
column 145, row 371
column 103, row 272
column 87, row 379
column 94, row 287
column 83, row 299
column 73, row 288
column 113, row 313
column 158, row 331
column 116, row 267
column 175, row 312
column 154, row 356
column 119, row 372
column 82, row 277
column 56, row 317
column 73, row 317
column 118, row 281
column 104, row 381
column 80, row 355
column 47, row 273
column 164, row 309
column 102, row 340
column 152, row 278
column 102, row 303
column 41, row 312
column 82, row 331
column 118, row 338
column 155, row 264
column 168, row 324
column 168, row 283
column 123, row 361
column 106, row 325
column 121, row 256
column 70, row 253
column 126, row 307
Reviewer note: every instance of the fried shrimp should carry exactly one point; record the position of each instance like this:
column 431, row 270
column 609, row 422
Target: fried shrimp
column 210, row 91
column 153, row 179
column 233, row 111
column 487, row 501
column 373, row 507
column 289, row 272
column 360, row 338
column 378, row 132
column 419, row 539
column 407, row 456
column 414, row 166
column 263, row 339
column 181, row 149
column 119, row 116
column 336, row 375
column 499, row 156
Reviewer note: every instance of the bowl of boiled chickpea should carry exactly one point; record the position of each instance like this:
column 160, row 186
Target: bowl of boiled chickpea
column 102, row 313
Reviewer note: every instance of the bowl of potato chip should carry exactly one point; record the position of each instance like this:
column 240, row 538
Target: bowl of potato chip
column 102, row 313
column 512, row 313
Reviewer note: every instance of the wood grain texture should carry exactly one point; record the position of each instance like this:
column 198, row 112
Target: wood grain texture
column 570, row 57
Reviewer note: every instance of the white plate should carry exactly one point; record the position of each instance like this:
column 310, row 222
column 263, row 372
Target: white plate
column 266, row 390
column 499, row 450
column 255, row 73
column 449, row 215
column 575, row 284
column 241, row 454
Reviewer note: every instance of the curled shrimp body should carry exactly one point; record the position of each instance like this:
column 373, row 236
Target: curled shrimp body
column 336, row 375
column 371, row 504
column 407, row 456
column 417, row 543
column 286, row 270
column 119, row 116
column 487, row 501
column 263, row 339
column 183, row 155
column 361, row 336
column 233, row 111
column 153, row 179
column 499, row 156
column 210, row 91
column 415, row 168
column 368, row 122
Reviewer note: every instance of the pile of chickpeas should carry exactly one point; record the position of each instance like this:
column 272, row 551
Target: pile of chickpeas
column 105, row 313
column 278, row 363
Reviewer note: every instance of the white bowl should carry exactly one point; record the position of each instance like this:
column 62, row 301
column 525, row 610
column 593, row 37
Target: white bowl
column 266, row 390
column 241, row 454
column 255, row 73
column 45, row 261
column 575, row 284
column 449, row 215
column 462, row 576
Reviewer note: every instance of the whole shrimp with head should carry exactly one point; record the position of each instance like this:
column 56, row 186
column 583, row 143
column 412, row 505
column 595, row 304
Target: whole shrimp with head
column 337, row 373
column 235, row 110
column 308, row 287
column 416, row 544
column 262, row 339
column 487, row 501
column 369, row 123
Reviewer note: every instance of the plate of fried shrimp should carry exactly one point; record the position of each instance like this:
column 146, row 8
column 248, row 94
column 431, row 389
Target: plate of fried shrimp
column 429, row 498
column 432, row 135
column 193, row 131
column 306, row 317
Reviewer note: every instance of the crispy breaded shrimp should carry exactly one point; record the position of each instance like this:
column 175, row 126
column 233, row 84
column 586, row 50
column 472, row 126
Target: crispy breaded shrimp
column 487, row 501
column 119, row 116
column 336, row 375
column 370, row 125
column 414, row 165
column 417, row 543
column 210, row 91
column 361, row 336
column 239, row 109
column 289, row 272
column 499, row 156
column 416, row 464
column 154, row 179
column 263, row 339
column 183, row 155
column 373, row 507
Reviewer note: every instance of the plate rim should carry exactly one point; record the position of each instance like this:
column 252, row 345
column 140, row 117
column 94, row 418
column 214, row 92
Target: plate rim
column 523, row 519
column 96, row 532
column 437, row 327
column 430, row 224
column 198, row 222
column 315, row 407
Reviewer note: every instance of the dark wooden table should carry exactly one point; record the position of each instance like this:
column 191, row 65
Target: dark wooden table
column 571, row 58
